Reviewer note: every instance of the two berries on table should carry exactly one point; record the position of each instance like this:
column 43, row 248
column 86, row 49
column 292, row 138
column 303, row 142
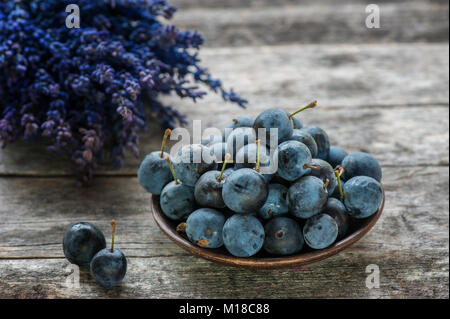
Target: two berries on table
column 85, row 245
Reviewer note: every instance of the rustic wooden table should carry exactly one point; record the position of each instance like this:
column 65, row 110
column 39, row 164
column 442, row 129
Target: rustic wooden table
column 385, row 91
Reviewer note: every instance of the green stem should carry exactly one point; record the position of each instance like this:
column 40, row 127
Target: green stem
column 113, row 225
column 227, row 157
column 309, row 106
column 163, row 145
column 171, row 169
column 258, row 161
column 317, row 168
column 338, row 172
column 327, row 182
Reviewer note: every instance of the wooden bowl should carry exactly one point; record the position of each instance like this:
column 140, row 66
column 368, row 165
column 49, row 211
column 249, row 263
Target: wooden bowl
column 263, row 260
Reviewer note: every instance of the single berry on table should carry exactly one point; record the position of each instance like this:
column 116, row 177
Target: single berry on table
column 109, row 266
column 81, row 242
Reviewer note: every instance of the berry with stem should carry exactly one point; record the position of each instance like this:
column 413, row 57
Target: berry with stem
column 192, row 161
column 245, row 191
column 109, row 266
column 208, row 189
column 324, row 172
column 177, row 200
column 309, row 106
column 154, row 173
column 291, row 156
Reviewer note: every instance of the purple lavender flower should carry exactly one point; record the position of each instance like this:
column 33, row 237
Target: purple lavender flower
column 89, row 89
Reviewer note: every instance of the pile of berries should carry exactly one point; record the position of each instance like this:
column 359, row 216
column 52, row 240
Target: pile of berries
column 248, row 195
column 85, row 245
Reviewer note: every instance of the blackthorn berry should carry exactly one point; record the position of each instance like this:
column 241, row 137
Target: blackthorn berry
column 208, row 189
column 336, row 209
column 361, row 164
column 320, row 231
column 81, row 242
column 325, row 172
column 362, row 196
column 239, row 138
column 322, row 141
column 291, row 158
column 283, row 236
column 191, row 161
column 305, row 138
column 307, row 197
column 245, row 191
column 153, row 173
column 204, row 227
column 243, row 235
column 336, row 156
column 109, row 266
column 276, row 203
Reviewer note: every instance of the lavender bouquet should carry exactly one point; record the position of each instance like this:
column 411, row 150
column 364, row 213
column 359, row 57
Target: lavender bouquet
column 89, row 89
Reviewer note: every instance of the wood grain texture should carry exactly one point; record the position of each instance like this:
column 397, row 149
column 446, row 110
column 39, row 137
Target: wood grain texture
column 397, row 94
column 409, row 244
column 213, row 4
column 317, row 22
column 375, row 95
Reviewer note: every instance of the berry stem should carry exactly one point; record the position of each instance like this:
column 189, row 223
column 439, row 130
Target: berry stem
column 309, row 106
column 258, row 161
column 338, row 172
column 171, row 170
column 181, row 228
column 327, row 182
column 317, row 168
column 227, row 157
column 163, row 145
column 113, row 226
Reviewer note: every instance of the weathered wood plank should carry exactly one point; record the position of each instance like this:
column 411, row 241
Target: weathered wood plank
column 398, row 94
column 185, row 4
column 409, row 244
column 317, row 22
column 35, row 212
column 402, row 275
column 397, row 136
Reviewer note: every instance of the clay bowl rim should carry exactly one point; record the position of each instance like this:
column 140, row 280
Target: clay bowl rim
column 264, row 262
